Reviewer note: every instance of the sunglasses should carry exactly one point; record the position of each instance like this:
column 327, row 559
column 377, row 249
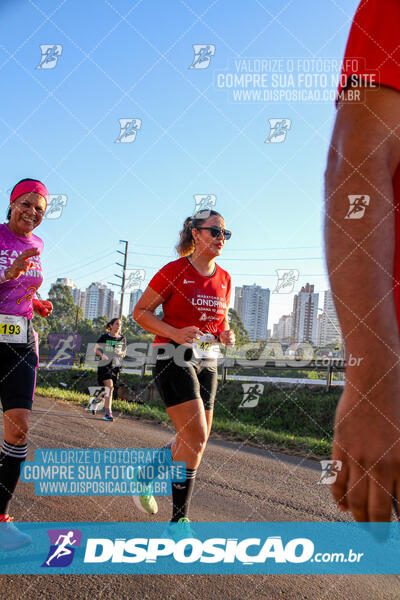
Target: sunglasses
column 216, row 232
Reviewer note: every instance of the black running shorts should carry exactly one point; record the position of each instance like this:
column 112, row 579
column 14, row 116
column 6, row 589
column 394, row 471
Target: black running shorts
column 18, row 363
column 107, row 372
column 178, row 383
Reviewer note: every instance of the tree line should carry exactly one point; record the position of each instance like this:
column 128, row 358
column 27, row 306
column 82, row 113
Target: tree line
column 67, row 317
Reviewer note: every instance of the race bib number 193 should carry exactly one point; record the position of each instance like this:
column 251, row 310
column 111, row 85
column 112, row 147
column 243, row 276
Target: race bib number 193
column 13, row 329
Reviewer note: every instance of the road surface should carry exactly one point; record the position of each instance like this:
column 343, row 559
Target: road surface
column 234, row 483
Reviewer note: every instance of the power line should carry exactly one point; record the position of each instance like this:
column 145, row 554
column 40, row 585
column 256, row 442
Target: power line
column 69, row 269
column 92, row 272
column 240, row 259
column 237, row 249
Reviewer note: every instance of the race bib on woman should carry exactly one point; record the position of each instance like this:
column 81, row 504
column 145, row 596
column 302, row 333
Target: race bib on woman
column 13, row 329
column 206, row 347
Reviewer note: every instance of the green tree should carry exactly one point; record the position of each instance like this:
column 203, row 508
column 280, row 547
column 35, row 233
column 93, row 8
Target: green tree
column 42, row 327
column 65, row 312
column 99, row 326
column 133, row 332
column 236, row 323
column 86, row 331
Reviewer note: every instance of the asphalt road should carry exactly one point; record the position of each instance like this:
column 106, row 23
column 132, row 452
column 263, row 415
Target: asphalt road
column 234, row 483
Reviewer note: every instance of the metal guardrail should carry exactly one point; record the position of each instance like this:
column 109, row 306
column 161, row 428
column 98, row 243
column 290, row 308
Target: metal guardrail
column 334, row 365
column 329, row 365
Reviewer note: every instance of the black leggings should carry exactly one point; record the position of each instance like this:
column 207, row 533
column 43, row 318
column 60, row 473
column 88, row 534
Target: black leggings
column 18, row 363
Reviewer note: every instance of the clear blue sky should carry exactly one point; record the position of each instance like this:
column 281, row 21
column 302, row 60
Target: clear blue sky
column 125, row 59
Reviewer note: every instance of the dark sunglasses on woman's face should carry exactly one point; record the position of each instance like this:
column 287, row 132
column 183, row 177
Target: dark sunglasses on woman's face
column 216, row 232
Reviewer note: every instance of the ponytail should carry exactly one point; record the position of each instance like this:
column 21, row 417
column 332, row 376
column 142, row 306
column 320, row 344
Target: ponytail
column 111, row 323
column 186, row 245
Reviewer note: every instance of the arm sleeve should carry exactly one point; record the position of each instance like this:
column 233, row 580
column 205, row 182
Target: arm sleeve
column 162, row 282
column 373, row 45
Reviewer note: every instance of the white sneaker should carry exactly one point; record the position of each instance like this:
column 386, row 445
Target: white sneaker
column 146, row 504
column 11, row 537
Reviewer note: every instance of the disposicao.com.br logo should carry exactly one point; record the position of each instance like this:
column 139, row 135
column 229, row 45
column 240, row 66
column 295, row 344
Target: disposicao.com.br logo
column 213, row 550
column 206, row 548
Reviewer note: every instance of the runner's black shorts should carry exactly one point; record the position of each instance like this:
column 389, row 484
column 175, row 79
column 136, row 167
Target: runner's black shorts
column 179, row 383
column 18, row 368
column 108, row 372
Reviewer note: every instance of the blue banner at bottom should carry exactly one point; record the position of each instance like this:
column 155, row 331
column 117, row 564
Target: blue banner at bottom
column 200, row 548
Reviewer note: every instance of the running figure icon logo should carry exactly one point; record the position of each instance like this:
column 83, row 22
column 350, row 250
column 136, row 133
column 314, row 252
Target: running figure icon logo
column 50, row 55
column 62, row 547
column 330, row 470
column 62, row 349
column 251, row 394
column 128, row 130
column 55, row 206
column 202, row 56
column 204, row 202
column 286, row 280
column 278, row 129
column 358, row 204
column 133, row 278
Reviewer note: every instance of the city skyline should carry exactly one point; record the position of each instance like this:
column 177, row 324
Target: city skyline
column 326, row 328
column 196, row 140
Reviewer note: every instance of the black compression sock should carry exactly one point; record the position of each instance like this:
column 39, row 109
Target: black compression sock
column 11, row 458
column 181, row 495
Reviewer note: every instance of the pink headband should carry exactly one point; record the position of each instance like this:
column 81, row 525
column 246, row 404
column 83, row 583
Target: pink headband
column 26, row 187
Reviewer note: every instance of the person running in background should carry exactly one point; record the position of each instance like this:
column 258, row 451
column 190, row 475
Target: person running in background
column 111, row 347
column 20, row 277
column 363, row 259
column 194, row 292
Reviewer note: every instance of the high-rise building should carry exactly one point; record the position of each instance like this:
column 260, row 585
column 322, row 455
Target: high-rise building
column 75, row 291
column 330, row 332
column 238, row 302
column 305, row 313
column 284, row 331
column 99, row 301
column 115, row 310
column 252, row 305
column 319, row 330
column 275, row 331
column 133, row 299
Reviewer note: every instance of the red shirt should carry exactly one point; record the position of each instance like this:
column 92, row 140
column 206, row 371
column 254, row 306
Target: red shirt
column 190, row 298
column 373, row 47
column 375, row 37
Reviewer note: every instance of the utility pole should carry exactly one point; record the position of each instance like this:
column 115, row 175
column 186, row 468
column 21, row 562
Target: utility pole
column 76, row 318
column 122, row 284
column 125, row 254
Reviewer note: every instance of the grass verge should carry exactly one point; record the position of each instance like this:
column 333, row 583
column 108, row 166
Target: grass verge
column 295, row 421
